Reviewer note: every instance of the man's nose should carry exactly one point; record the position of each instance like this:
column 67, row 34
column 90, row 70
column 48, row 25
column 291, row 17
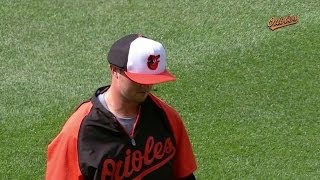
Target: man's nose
column 146, row 87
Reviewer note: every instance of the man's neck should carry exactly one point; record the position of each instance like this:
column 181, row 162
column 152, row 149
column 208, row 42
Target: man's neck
column 120, row 106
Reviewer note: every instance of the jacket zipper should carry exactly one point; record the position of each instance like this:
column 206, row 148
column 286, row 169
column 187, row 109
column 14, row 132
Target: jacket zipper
column 132, row 134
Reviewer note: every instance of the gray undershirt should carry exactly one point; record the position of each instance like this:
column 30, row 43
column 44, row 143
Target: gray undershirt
column 127, row 123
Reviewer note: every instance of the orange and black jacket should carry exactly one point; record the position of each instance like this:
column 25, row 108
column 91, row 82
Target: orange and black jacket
column 94, row 145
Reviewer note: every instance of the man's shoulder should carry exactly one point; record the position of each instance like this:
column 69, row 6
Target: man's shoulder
column 160, row 102
column 69, row 132
column 76, row 118
column 169, row 110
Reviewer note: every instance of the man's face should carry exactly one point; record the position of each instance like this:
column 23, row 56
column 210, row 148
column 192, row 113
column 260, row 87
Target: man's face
column 131, row 90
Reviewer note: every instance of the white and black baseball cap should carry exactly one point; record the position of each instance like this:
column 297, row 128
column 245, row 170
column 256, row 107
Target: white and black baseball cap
column 142, row 59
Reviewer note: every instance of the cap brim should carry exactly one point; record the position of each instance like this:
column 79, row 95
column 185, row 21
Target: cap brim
column 150, row 78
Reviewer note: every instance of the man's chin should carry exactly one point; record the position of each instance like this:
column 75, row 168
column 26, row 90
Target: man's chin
column 142, row 97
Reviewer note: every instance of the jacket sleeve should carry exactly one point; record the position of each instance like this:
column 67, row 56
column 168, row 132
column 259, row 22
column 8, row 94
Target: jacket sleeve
column 184, row 163
column 62, row 160
column 62, row 153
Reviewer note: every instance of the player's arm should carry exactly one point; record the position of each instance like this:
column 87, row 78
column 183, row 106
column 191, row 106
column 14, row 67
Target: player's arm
column 184, row 163
column 190, row 177
column 62, row 154
column 62, row 160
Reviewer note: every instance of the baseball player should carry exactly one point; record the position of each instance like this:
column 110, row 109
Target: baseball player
column 123, row 131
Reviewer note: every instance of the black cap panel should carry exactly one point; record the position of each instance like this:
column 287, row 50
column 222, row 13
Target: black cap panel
column 118, row 54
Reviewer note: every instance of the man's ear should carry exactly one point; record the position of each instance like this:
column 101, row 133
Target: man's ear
column 114, row 71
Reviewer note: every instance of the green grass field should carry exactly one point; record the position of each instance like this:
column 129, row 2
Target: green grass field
column 249, row 96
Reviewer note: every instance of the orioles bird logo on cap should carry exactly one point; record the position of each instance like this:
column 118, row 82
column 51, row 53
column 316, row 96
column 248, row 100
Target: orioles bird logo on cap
column 153, row 61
